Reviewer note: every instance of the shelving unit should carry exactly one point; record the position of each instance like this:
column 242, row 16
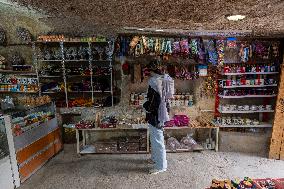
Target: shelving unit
column 261, row 125
column 246, row 112
column 248, row 86
column 63, row 63
column 16, row 88
column 83, row 148
column 247, row 96
column 251, row 73
column 263, row 114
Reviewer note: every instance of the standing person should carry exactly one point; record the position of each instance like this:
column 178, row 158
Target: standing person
column 161, row 88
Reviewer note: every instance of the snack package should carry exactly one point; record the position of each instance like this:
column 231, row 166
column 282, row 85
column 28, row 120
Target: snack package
column 188, row 142
column 173, row 144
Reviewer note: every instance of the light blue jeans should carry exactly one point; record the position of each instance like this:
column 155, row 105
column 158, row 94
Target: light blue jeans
column 158, row 149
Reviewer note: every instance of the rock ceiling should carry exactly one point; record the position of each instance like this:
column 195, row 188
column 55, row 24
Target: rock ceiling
column 263, row 17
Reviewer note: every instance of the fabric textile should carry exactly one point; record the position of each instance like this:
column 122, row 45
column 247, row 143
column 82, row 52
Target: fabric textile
column 158, row 149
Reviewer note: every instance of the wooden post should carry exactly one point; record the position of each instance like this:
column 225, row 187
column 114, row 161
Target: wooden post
column 276, row 150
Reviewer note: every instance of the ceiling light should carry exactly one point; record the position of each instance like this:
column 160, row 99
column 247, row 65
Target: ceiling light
column 140, row 29
column 159, row 30
column 235, row 17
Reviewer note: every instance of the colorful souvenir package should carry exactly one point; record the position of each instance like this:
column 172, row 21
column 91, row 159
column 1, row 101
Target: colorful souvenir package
column 184, row 48
column 275, row 49
column 220, row 50
column 176, row 47
column 151, row 45
column 245, row 51
column 201, row 52
column 194, row 48
column 212, row 52
column 261, row 49
column 168, row 46
column 231, row 52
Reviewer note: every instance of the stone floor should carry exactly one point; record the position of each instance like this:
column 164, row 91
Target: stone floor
column 186, row 170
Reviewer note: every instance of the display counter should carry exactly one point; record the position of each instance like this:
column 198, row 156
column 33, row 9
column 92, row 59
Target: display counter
column 36, row 137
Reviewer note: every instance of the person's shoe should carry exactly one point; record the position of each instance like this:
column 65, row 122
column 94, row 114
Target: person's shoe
column 149, row 161
column 156, row 171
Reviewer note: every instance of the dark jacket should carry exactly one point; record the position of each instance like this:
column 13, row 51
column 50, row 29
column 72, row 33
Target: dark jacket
column 152, row 107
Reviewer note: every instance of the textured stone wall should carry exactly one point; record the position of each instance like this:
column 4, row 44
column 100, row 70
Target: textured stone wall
column 12, row 17
column 110, row 16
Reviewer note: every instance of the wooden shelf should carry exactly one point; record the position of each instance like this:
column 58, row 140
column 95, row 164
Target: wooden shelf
column 247, row 96
column 261, row 125
column 50, row 60
column 110, row 129
column 180, row 128
column 88, row 75
column 246, row 112
column 251, row 73
column 57, row 92
column 248, row 86
column 31, row 92
column 31, row 73
column 72, row 41
column 79, row 91
column 49, row 76
column 187, row 150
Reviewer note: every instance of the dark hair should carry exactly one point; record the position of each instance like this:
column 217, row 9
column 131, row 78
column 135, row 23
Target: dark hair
column 154, row 66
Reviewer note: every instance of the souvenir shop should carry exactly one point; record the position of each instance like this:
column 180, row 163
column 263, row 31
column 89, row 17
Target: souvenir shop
column 89, row 91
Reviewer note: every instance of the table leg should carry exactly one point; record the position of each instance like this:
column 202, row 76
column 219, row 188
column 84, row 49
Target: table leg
column 217, row 139
column 148, row 141
column 84, row 137
column 78, row 141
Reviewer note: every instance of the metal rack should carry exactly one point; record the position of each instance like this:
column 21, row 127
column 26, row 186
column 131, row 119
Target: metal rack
column 219, row 112
column 65, row 76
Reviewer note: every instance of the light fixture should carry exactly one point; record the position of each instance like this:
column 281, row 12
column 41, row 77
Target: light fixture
column 140, row 29
column 235, row 17
column 159, row 30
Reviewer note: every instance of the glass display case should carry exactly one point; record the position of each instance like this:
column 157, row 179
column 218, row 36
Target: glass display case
column 29, row 118
column 29, row 137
